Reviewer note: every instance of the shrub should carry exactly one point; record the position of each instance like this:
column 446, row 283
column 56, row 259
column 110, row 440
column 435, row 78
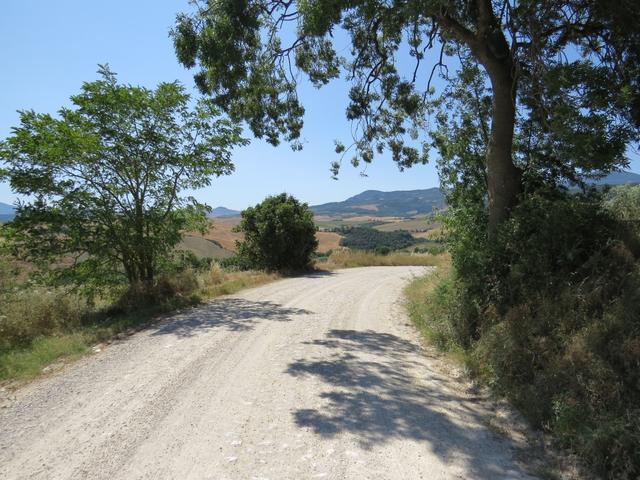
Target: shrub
column 30, row 313
column 363, row 238
column 345, row 258
column 548, row 314
column 279, row 235
column 236, row 262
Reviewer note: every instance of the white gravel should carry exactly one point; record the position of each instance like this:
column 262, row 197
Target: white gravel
column 318, row 377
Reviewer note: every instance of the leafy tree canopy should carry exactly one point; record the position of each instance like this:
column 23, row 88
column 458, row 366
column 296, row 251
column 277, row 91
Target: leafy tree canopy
column 280, row 234
column 104, row 178
column 363, row 238
column 555, row 83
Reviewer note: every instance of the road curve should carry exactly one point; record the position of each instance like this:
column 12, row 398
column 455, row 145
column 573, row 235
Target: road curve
column 305, row 378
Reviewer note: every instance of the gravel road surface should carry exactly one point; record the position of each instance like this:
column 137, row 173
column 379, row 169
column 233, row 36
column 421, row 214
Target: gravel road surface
column 316, row 377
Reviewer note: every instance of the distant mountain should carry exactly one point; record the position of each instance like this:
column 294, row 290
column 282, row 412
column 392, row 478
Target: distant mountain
column 618, row 178
column 7, row 212
column 375, row 203
column 6, row 209
column 223, row 212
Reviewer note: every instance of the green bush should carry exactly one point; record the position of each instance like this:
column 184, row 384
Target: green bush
column 549, row 316
column 432, row 248
column 279, row 235
column 236, row 263
column 363, row 238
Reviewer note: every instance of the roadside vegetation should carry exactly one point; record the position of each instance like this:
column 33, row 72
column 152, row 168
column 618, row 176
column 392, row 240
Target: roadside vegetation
column 548, row 315
column 362, row 238
column 41, row 324
column 542, row 297
column 105, row 180
column 346, row 258
column 95, row 250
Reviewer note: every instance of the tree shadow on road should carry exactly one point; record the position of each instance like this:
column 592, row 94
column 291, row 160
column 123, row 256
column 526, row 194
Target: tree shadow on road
column 233, row 314
column 375, row 394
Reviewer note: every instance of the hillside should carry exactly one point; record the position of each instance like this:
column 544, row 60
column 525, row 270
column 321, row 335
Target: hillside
column 220, row 212
column 411, row 203
column 203, row 247
column 375, row 203
column 618, row 178
column 222, row 232
column 6, row 209
column 6, row 212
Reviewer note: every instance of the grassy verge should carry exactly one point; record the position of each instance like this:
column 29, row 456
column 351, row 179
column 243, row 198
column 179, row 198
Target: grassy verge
column 584, row 388
column 356, row 258
column 40, row 327
column 427, row 302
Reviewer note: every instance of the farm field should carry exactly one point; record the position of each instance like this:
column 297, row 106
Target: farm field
column 222, row 233
column 409, row 224
column 203, row 247
column 327, row 241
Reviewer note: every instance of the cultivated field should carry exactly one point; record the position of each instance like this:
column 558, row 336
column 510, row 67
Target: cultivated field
column 222, row 232
column 203, row 247
column 327, row 241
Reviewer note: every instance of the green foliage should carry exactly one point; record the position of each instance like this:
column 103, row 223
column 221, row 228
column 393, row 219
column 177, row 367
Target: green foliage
column 548, row 314
column 432, row 248
column 237, row 262
column 623, row 202
column 569, row 65
column 279, row 235
column 105, row 179
column 39, row 325
column 362, row 238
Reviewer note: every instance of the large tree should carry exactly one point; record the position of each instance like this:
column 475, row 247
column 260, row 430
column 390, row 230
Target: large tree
column 561, row 75
column 103, row 180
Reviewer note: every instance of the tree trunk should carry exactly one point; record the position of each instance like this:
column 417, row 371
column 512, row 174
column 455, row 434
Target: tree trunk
column 490, row 48
column 504, row 179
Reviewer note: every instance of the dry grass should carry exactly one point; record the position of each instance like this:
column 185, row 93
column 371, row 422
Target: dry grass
column 327, row 241
column 203, row 247
column 366, row 218
column 345, row 258
column 43, row 326
column 219, row 282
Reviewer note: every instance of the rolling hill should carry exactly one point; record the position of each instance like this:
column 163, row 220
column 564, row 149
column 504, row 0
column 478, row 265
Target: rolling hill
column 203, row 247
column 375, row 203
column 221, row 212
column 618, row 178
column 412, row 203
column 7, row 212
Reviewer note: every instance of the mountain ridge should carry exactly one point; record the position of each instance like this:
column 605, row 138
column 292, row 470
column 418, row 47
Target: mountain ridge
column 6, row 209
column 409, row 203
column 376, row 203
column 220, row 212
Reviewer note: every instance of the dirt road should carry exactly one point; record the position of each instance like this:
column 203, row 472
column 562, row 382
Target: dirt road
column 305, row 378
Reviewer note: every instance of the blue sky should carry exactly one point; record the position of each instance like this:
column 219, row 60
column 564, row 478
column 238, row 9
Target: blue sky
column 49, row 48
